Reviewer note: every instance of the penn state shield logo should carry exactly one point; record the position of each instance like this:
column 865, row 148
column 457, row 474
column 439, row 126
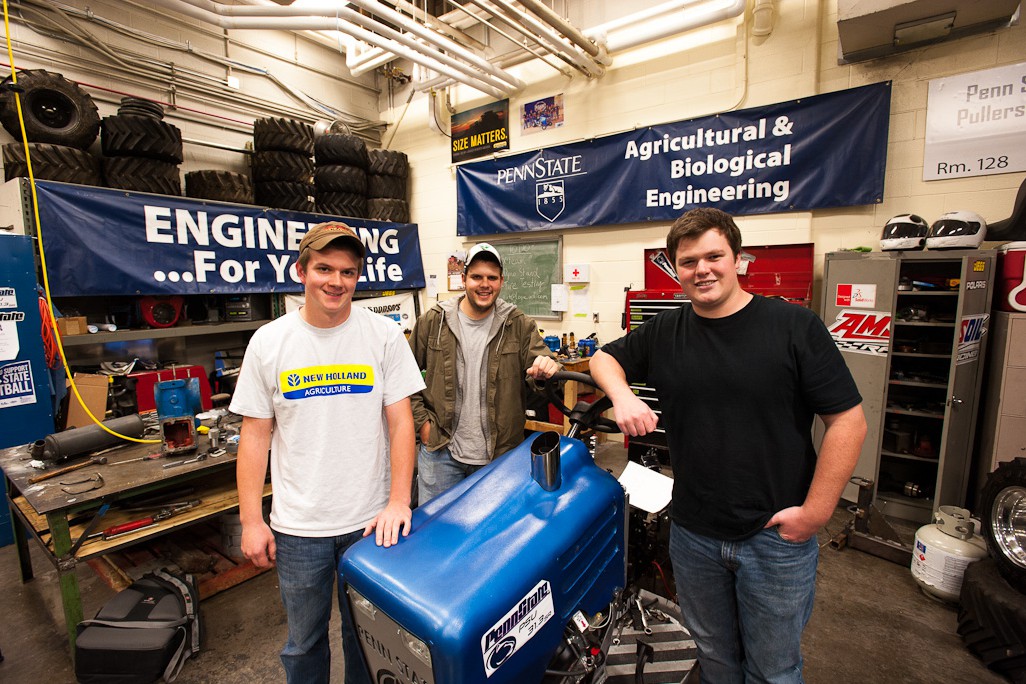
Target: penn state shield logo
column 549, row 199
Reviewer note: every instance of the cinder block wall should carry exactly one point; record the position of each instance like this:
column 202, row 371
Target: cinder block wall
column 705, row 72
column 698, row 74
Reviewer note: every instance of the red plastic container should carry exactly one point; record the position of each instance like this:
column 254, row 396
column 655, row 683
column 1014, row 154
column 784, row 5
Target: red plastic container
column 1011, row 285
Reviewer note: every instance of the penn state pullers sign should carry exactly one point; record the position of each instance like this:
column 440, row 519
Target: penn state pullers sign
column 821, row 151
column 112, row 242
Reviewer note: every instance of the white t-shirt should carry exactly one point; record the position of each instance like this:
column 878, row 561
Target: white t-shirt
column 327, row 389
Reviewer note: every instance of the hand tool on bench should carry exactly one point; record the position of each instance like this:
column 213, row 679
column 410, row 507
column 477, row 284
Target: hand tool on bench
column 148, row 521
column 147, row 457
column 95, row 460
column 194, row 459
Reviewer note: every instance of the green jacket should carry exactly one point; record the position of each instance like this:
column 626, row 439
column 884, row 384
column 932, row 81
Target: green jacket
column 513, row 345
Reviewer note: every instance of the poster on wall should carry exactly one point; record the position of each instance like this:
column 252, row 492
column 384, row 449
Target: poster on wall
column 398, row 307
column 112, row 242
column 541, row 115
column 976, row 124
column 822, row 151
column 480, row 131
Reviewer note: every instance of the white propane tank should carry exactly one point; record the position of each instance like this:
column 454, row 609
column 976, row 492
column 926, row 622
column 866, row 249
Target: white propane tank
column 943, row 550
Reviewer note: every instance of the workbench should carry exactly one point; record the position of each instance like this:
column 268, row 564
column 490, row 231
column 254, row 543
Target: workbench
column 57, row 520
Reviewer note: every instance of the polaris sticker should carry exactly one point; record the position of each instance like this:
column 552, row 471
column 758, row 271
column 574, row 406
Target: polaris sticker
column 970, row 335
column 517, row 627
column 862, row 332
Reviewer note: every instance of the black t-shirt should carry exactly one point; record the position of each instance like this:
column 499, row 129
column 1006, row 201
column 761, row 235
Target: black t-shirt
column 738, row 396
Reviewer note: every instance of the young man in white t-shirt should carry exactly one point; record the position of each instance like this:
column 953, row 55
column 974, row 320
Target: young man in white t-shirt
column 326, row 391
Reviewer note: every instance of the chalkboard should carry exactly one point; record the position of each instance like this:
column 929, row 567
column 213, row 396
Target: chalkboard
column 530, row 268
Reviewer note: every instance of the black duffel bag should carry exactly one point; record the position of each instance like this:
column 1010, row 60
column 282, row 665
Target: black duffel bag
column 143, row 634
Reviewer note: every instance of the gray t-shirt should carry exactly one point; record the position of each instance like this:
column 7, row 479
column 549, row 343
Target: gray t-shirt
column 470, row 438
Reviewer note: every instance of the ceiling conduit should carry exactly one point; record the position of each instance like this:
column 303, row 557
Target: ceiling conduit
column 372, row 38
column 395, row 42
column 493, row 76
column 631, row 32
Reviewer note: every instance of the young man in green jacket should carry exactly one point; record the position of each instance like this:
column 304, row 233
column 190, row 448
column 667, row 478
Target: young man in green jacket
column 474, row 351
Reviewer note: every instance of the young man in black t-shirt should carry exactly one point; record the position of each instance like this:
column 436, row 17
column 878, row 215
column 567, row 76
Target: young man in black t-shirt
column 740, row 379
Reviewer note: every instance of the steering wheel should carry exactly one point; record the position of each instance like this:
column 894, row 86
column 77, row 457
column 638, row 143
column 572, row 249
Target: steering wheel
column 584, row 416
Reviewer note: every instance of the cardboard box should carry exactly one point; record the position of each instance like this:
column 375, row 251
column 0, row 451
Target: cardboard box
column 93, row 389
column 72, row 325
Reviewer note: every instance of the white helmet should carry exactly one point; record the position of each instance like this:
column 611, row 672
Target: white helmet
column 957, row 229
column 904, row 231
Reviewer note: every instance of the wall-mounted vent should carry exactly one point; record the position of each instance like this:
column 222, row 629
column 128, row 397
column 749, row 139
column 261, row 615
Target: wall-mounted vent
column 874, row 28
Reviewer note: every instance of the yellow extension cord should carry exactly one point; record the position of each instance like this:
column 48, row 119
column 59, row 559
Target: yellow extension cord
column 39, row 240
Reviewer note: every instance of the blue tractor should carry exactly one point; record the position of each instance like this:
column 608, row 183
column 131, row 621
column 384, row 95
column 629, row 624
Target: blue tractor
column 517, row 575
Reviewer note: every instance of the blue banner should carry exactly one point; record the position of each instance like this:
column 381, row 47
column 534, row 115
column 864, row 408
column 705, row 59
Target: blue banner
column 113, row 242
column 822, row 151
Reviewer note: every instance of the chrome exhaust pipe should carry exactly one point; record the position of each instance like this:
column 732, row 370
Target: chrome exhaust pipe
column 545, row 461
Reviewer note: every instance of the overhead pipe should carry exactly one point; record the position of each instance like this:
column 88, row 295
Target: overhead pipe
column 523, row 44
column 436, row 39
column 462, row 74
column 564, row 27
column 354, row 17
column 437, row 24
column 551, row 39
column 557, row 50
column 636, row 34
column 762, row 18
column 389, row 14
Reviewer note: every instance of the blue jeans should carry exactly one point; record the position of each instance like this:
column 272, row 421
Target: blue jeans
column 745, row 603
column 437, row 471
column 307, row 567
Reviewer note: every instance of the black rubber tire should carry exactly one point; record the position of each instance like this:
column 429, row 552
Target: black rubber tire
column 389, row 163
column 52, row 162
column 282, row 195
column 392, row 210
column 992, row 620
column 220, row 186
column 341, row 149
column 142, row 175
column 275, row 165
column 134, row 106
column 285, row 135
column 341, row 178
column 387, row 187
column 55, row 110
column 140, row 136
column 1008, row 479
column 342, row 204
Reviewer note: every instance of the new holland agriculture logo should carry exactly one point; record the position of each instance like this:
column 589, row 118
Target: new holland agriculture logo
column 324, row 381
column 550, row 199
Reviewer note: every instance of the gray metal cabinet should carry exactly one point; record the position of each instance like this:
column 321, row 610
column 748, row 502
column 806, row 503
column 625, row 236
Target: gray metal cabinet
column 912, row 326
column 1003, row 425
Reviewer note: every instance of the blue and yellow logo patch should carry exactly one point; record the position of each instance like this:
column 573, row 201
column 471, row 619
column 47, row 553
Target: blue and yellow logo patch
column 326, row 381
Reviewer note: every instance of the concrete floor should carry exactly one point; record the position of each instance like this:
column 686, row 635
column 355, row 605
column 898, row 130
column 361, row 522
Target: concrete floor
column 871, row 623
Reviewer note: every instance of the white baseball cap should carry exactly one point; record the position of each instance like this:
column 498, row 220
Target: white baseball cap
column 485, row 251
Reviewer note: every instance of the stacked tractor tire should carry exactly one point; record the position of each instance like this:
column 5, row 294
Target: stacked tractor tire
column 386, row 187
column 61, row 121
column 283, row 167
column 141, row 151
column 341, row 175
